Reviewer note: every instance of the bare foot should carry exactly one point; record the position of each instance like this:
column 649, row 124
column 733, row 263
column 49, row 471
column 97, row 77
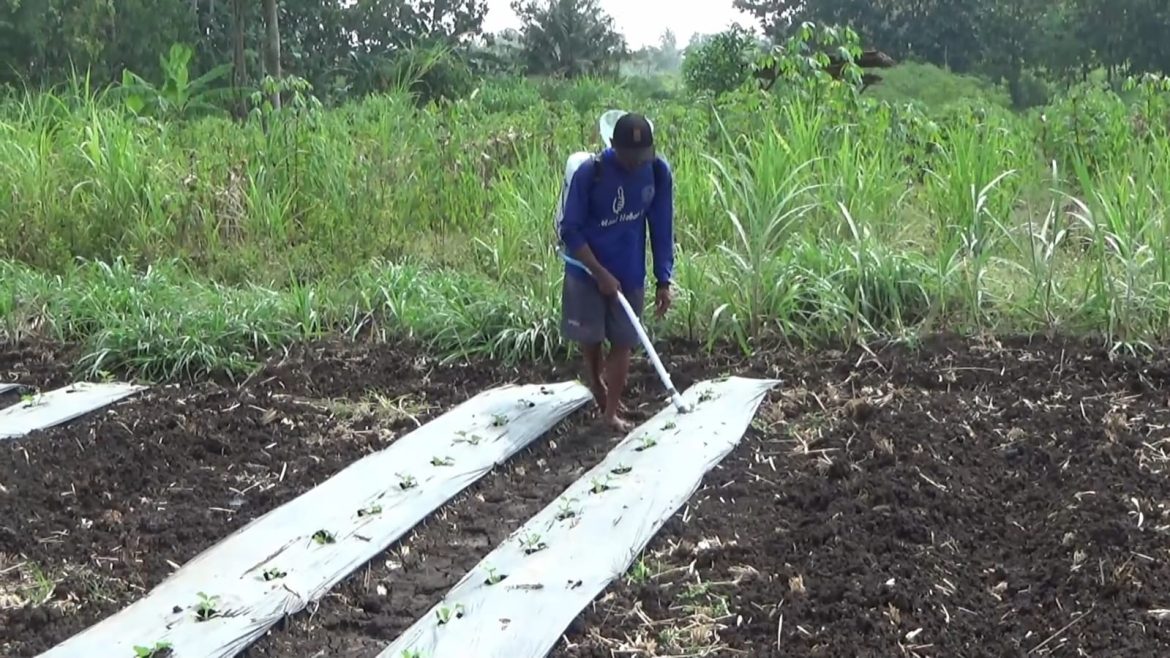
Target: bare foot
column 617, row 424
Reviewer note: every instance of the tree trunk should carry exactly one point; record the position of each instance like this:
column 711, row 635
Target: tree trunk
column 272, row 45
column 240, row 68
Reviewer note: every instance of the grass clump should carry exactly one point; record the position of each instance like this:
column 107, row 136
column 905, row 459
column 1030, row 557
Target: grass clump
column 183, row 249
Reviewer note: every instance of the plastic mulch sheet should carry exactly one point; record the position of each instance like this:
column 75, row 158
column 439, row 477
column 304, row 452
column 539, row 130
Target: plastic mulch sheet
column 60, row 406
column 283, row 561
column 520, row 599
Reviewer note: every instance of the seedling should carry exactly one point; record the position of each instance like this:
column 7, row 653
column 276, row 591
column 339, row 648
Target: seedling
column 706, row 396
column 566, row 511
column 646, row 443
column 412, row 653
column 494, row 576
column 159, row 650
column 324, row 537
column 371, row 510
column 670, row 425
column 473, row 440
column 442, row 461
column 32, row 400
column 499, row 420
column 621, row 469
column 528, row 404
column 533, row 544
column 406, row 482
column 272, row 573
column 206, row 608
column 599, row 486
column 444, row 613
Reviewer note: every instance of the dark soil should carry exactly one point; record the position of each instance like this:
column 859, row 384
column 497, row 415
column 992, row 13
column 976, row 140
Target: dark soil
column 37, row 366
column 972, row 501
column 106, row 505
column 943, row 489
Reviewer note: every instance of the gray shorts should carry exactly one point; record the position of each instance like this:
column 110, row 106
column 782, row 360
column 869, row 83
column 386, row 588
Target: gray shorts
column 588, row 317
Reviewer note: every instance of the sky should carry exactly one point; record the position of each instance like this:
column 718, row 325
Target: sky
column 643, row 21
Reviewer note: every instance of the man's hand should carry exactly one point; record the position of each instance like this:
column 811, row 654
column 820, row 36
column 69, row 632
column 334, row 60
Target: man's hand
column 663, row 301
column 607, row 283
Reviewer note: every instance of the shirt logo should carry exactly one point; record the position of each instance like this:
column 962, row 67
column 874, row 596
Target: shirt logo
column 647, row 194
column 619, row 201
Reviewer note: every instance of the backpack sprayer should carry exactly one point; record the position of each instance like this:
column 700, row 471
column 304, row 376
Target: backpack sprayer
column 606, row 125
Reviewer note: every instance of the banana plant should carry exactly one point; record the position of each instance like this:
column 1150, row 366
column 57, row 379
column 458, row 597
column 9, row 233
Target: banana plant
column 179, row 96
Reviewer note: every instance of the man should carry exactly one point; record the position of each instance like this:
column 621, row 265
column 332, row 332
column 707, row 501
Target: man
column 610, row 202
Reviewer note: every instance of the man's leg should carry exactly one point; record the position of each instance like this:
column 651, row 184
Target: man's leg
column 594, row 372
column 623, row 338
column 583, row 322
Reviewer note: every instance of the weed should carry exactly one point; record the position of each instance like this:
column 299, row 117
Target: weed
column 639, row 572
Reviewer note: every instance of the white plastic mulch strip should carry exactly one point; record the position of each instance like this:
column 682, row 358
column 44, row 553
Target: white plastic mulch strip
column 520, row 599
column 290, row 557
column 4, row 388
column 60, row 406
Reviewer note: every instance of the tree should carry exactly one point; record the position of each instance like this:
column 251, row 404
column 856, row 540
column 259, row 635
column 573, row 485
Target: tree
column 568, row 38
column 721, row 63
column 272, row 45
column 384, row 26
column 668, row 56
column 943, row 32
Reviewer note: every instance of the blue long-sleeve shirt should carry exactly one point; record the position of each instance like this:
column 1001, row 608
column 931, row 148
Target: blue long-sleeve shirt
column 612, row 216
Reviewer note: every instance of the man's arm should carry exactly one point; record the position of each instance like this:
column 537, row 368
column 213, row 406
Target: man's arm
column 662, row 223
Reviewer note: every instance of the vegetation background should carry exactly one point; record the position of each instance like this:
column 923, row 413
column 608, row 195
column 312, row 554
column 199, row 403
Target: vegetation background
column 187, row 184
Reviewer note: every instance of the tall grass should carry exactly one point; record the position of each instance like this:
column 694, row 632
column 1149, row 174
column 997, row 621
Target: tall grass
column 179, row 249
